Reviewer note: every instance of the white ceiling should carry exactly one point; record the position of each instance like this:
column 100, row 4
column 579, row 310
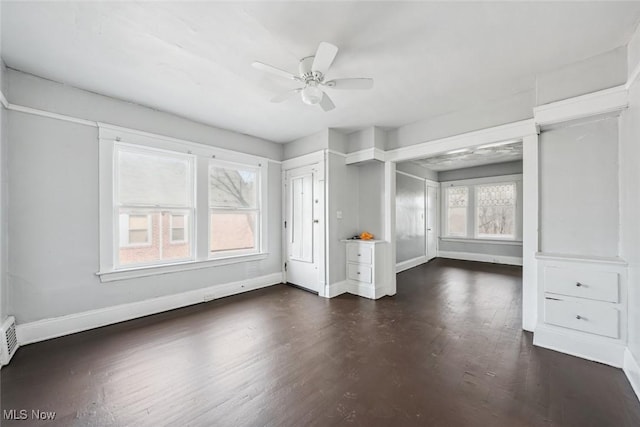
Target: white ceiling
column 475, row 156
column 194, row 59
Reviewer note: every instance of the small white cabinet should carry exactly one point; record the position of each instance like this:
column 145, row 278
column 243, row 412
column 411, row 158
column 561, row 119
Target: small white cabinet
column 367, row 267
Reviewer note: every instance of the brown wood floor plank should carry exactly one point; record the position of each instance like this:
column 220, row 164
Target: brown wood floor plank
column 447, row 350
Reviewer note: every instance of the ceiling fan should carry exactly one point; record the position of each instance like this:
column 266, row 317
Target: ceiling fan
column 312, row 71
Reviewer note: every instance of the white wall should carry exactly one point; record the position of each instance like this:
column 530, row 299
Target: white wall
column 630, row 198
column 53, row 203
column 579, row 189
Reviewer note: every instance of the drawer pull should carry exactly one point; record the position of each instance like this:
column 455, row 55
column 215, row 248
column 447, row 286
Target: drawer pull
column 578, row 284
column 358, row 272
column 359, row 254
column 579, row 317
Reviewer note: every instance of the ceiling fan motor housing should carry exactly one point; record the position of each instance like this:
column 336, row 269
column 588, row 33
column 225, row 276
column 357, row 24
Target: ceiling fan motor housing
column 306, row 73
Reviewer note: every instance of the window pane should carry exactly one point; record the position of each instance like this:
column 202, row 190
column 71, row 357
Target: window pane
column 496, row 210
column 233, row 188
column 153, row 179
column 141, row 246
column 457, row 202
column 233, row 231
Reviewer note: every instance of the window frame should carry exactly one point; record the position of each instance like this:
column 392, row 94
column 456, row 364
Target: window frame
column 257, row 210
column 185, row 227
column 472, row 184
column 109, row 136
column 151, row 209
column 446, row 212
column 476, row 231
column 128, row 243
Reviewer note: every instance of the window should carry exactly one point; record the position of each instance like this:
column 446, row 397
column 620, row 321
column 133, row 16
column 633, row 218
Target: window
column 168, row 205
column 136, row 230
column 152, row 186
column 178, row 228
column 457, row 203
column 233, row 209
column 496, row 211
column 483, row 208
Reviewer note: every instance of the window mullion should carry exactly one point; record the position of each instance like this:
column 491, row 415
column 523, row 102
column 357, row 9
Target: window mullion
column 201, row 220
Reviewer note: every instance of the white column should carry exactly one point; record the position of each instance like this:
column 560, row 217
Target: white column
column 390, row 223
column 530, row 232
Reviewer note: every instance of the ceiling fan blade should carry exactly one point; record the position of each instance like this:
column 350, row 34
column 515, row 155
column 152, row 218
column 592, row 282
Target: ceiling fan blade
column 326, row 103
column 273, row 70
column 284, row 96
column 324, row 57
column 360, row 83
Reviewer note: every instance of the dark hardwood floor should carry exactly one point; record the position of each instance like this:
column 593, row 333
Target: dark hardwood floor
column 447, row 350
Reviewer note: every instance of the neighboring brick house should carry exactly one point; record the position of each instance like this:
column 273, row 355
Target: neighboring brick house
column 142, row 241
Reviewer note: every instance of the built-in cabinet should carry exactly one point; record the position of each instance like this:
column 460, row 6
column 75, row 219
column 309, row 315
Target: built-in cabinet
column 367, row 266
column 582, row 309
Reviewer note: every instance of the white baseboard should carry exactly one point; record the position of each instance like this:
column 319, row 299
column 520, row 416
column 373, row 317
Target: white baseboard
column 363, row 290
column 580, row 345
column 410, row 263
column 45, row 329
column 335, row 289
column 632, row 371
column 471, row 256
column 354, row 288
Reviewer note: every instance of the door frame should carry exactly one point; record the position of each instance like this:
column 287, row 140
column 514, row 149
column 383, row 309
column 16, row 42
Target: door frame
column 436, row 222
column 526, row 131
column 316, row 158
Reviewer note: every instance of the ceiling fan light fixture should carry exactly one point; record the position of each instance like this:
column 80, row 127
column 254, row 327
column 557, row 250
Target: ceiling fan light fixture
column 311, row 94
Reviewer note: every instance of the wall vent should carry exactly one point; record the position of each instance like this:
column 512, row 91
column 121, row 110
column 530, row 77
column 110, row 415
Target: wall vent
column 8, row 340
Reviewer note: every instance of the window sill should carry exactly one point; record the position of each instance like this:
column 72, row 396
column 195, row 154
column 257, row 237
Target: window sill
column 489, row 241
column 133, row 273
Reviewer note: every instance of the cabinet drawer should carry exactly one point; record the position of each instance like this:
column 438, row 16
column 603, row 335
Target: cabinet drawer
column 596, row 285
column 359, row 253
column 595, row 318
column 361, row 273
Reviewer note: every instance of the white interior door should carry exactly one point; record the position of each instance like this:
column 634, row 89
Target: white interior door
column 432, row 211
column 302, row 227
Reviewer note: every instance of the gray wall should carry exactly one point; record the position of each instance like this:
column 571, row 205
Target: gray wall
column 630, row 199
column 417, row 170
column 596, row 73
column 371, row 198
column 501, row 111
column 306, row 145
column 371, row 137
column 342, row 196
column 410, row 218
column 579, row 189
column 3, row 187
column 3, row 194
column 35, row 92
column 484, row 171
column 53, row 206
column 506, row 168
